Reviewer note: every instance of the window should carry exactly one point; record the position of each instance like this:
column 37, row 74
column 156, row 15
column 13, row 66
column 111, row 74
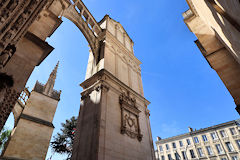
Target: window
column 188, row 142
column 184, row 155
column 167, row 147
column 200, row 151
column 234, row 158
column 229, row 146
column 162, row 158
column 238, row 143
column 223, row 133
column 214, row 136
column 192, row 153
column 196, row 140
column 219, row 149
column 209, row 150
column 174, row 145
column 177, row 157
column 160, row 148
column 233, row 131
column 204, row 137
column 169, row 157
column 223, row 158
column 180, row 143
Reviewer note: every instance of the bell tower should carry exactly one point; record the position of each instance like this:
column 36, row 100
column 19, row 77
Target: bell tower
column 113, row 122
column 33, row 130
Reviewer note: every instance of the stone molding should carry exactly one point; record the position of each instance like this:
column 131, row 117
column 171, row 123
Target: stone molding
column 230, row 123
column 40, row 43
column 102, row 76
column 37, row 120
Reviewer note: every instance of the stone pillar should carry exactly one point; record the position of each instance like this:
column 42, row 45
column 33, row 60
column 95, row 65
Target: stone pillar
column 113, row 121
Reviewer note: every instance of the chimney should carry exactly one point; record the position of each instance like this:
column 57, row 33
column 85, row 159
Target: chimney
column 190, row 129
column 158, row 138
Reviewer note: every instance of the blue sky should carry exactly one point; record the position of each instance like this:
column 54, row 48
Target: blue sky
column 182, row 88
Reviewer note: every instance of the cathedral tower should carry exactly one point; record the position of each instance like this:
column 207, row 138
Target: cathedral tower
column 33, row 129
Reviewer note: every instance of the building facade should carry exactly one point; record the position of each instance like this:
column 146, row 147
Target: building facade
column 33, row 128
column 216, row 24
column 219, row 142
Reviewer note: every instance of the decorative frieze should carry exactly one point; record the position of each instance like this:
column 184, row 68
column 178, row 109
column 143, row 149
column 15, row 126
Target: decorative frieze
column 129, row 116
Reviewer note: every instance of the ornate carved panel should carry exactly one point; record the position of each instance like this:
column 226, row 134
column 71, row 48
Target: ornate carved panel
column 15, row 18
column 129, row 116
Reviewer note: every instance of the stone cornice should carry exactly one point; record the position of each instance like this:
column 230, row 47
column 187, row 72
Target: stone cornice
column 99, row 78
column 196, row 132
column 36, row 120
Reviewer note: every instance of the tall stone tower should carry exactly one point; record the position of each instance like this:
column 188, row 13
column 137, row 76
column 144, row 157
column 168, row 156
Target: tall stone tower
column 113, row 122
column 32, row 133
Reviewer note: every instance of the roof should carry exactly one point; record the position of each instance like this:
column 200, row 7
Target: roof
column 236, row 122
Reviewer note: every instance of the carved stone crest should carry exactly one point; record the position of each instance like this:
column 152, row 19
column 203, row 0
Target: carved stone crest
column 129, row 116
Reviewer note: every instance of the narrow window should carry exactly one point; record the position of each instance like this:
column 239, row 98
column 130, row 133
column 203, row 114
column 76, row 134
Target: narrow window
column 200, row 151
column 177, row 157
column 174, row 145
column 184, row 155
column 209, row 150
column 188, row 142
column 229, row 146
column 223, row 158
column 238, row 143
column 180, row 143
column 196, row 140
column 219, row 148
column 169, row 157
column 204, row 137
column 162, row 158
column 167, row 147
column 223, row 133
column 214, row 136
column 160, row 148
column 233, row 131
column 192, row 153
column 234, row 158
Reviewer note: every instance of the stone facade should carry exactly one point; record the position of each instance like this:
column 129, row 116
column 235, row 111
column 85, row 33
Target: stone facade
column 33, row 122
column 219, row 142
column 216, row 24
column 114, row 119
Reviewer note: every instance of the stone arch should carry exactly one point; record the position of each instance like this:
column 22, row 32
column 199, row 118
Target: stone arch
column 78, row 13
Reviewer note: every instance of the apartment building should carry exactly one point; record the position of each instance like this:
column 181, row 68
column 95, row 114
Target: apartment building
column 219, row 142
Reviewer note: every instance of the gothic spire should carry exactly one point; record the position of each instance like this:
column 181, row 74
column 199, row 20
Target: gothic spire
column 48, row 87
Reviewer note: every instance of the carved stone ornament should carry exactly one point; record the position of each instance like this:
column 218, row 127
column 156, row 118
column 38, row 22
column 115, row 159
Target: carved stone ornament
column 6, row 55
column 15, row 18
column 129, row 116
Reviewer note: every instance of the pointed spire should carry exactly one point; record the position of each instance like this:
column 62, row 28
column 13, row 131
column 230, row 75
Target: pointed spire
column 48, row 87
